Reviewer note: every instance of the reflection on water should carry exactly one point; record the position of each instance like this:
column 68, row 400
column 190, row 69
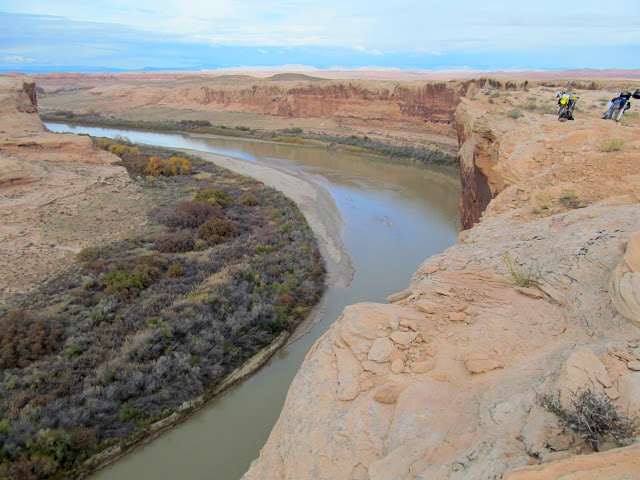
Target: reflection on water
column 396, row 216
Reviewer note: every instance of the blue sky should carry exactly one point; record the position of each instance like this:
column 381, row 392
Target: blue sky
column 59, row 35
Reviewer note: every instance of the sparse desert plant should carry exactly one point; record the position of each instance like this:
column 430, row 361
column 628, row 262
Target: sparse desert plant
column 514, row 113
column 612, row 145
column 593, row 417
column 521, row 276
column 569, row 198
column 544, row 200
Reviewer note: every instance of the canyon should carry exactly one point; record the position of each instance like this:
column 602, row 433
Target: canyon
column 540, row 296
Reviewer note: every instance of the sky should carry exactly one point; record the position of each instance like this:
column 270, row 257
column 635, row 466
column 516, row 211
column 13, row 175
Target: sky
column 105, row 35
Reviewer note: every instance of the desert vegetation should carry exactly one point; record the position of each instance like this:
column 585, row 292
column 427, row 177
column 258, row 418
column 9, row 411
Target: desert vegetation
column 355, row 143
column 135, row 329
column 592, row 416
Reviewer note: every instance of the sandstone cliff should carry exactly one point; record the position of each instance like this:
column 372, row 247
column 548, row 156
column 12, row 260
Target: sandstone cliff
column 57, row 193
column 444, row 382
column 399, row 112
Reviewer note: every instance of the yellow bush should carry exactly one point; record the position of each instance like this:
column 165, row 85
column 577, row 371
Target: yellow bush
column 180, row 166
column 155, row 167
column 120, row 150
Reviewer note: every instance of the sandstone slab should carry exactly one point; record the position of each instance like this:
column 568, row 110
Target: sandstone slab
column 481, row 366
column 381, row 350
column 403, row 338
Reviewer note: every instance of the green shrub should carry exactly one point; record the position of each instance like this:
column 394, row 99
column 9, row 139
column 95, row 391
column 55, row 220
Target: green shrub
column 514, row 113
column 123, row 285
column 128, row 414
column 174, row 270
column 89, row 254
column 215, row 196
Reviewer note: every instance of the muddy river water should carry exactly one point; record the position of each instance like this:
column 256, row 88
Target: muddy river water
column 395, row 216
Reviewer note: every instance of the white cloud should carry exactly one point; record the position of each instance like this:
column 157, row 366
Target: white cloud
column 17, row 59
column 373, row 51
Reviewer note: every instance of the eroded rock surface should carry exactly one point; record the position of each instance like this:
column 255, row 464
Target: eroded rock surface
column 58, row 194
column 521, row 306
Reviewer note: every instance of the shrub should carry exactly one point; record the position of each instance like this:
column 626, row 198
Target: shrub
column 176, row 242
column 24, row 340
column 123, row 285
column 612, row 145
column 180, row 166
column 514, row 113
column 187, row 214
column 214, row 196
column 248, row 200
column 196, row 123
column 593, row 417
column 292, row 131
column 102, row 143
column 89, row 254
column 155, row 167
column 570, row 199
column 134, row 163
column 175, row 270
column 128, row 414
column 215, row 231
column 120, row 150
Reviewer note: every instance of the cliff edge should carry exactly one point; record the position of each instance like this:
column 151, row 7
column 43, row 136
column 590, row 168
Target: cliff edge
column 57, row 194
column 540, row 296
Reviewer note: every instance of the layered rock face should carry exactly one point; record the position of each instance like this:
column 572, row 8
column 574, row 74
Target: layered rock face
column 406, row 111
column 539, row 297
column 57, row 193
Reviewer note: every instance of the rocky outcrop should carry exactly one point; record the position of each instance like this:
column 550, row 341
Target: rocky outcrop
column 445, row 382
column 59, row 193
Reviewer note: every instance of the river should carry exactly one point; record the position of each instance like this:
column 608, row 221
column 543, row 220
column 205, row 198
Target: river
column 395, row 217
